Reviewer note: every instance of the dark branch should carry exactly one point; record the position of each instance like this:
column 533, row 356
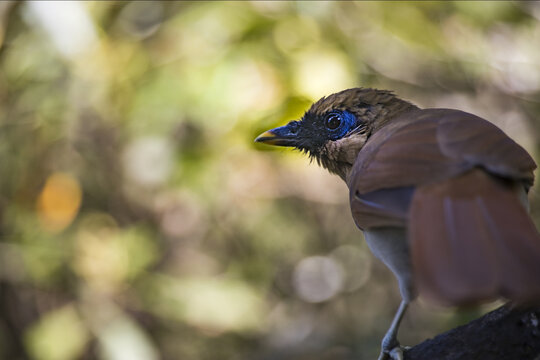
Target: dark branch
column 505, row 333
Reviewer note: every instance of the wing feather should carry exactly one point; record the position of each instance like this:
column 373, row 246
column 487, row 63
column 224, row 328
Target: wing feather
column 478, row 142
column 472, row 240
column 428, row 146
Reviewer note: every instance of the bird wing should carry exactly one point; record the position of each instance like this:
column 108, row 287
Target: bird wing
column 470, row 237
column 471, row 240
column 427, row 146
column 469, row 138
column 385, row 207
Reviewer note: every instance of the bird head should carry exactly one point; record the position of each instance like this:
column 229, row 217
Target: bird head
column 336, row 127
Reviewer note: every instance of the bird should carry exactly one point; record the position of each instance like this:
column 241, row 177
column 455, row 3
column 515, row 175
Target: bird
column 439, row 194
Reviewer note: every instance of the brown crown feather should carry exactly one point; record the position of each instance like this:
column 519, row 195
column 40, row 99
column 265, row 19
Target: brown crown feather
column 375, row 106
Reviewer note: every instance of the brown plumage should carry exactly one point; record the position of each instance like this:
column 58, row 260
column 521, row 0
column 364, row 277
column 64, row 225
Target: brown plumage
column 471, row 240
column 441, row 189
column 472, row 166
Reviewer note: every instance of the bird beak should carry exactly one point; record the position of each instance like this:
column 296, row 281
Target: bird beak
column 281, row 136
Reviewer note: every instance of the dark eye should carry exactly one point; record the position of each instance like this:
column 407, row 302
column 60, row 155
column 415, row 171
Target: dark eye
column 333, row 121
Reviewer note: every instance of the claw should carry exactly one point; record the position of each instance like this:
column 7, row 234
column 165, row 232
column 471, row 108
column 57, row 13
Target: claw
column 393, row 354
column 396, row 353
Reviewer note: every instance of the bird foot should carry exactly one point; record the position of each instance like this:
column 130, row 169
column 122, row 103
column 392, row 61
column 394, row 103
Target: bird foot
column 390, row 347
column 395, row 353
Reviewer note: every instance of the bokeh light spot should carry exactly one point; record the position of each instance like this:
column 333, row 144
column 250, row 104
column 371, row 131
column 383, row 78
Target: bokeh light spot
column 320, row 72
column 58, row 335
column 67, row 23
column 148, row 161
column 318, row 278
column 59, row 202
column 357, row 265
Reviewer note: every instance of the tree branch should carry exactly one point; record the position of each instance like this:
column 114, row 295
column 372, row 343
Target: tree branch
column 505, row 333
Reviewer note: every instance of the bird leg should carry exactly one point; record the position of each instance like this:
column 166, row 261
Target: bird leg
column 390, row 345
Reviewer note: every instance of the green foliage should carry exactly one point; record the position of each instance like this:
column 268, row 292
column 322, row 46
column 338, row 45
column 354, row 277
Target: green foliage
column 180, row 238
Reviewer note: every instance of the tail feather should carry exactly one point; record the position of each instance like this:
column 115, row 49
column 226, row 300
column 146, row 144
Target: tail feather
column 472, row 240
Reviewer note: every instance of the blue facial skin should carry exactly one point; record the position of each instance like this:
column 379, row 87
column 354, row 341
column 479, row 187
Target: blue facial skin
column 348, row 123
column 311, row 133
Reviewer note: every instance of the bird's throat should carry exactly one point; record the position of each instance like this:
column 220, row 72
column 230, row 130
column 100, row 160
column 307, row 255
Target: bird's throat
column 339, row 156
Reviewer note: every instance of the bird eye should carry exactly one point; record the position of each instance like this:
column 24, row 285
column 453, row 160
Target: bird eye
column 333, row 121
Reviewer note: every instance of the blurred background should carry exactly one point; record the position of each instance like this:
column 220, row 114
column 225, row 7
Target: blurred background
column 138, row 220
